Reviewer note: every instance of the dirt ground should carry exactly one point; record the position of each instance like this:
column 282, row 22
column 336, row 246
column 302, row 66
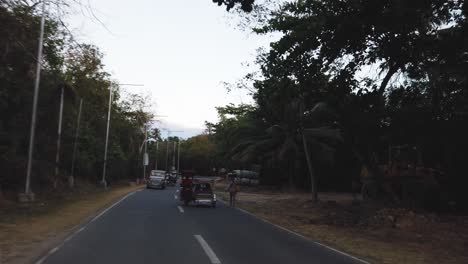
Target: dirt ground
column 27, row 231
column 369, row 231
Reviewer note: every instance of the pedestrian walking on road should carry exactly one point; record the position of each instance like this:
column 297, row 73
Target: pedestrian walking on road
column 233, row 189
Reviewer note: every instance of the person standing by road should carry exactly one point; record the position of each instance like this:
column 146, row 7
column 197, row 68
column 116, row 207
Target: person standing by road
column 233, row 189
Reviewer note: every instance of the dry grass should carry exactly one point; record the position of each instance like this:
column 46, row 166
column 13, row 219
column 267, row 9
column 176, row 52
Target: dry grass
column 26, row 232
column 335, row 221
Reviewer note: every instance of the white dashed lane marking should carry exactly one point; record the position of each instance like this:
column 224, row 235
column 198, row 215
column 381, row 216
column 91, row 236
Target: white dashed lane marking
column 209, row 252
column 180, row 209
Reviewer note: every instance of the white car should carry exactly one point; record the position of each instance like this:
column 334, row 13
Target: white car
column 157, row 180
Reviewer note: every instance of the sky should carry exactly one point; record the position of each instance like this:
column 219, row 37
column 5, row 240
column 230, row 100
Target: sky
column 182, row 51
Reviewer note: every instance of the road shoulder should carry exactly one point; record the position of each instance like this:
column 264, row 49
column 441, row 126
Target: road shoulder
column 367, row 234
column 27, row 238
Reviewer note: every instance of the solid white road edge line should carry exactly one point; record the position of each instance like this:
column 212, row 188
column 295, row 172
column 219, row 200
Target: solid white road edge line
column 299, row 235
column 110, row 207
column 209, row 252
column 52, row 251
column 180, row 209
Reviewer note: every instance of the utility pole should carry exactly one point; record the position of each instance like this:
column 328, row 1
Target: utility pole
column 28, row 196
column 156, row 159
column 107, row 139
column 59, row 136
column 167, row 145
column 71, row 179
column 174, row 156
column 313, row 178
column 104, row 182
column 145, row 155
column 167, row 152
column 178, row 156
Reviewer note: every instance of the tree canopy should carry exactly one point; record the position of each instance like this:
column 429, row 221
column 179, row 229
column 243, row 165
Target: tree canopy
column 392, row 71
column 79, row 70
column 245, row 5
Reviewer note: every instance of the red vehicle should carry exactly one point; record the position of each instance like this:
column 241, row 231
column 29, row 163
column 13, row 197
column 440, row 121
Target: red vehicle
column 186, row 189
column 187, row 173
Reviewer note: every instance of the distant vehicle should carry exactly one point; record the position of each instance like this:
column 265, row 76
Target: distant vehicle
column 201, row 192
column 157, row 179
column 171, row 178
column 244, row 177
column 157, row 172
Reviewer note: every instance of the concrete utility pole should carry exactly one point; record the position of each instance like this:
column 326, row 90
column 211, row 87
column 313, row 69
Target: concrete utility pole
column 28, row 196
column 167, row 153
column 107, row 139
column 104, row 182
column 167, row 145
column 71, row 179
column 59, row 136
column 145, row 155
column 313, row 179
column 156, row 159
column 174, row 156
column 178, row 157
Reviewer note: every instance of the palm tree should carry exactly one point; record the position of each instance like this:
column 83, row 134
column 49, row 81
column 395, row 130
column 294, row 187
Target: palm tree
column 311, row 131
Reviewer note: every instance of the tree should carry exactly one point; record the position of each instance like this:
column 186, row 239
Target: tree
column 245, row 5
column 325, row 50
column 78, row 68
column 309, row 135
column 198, row 153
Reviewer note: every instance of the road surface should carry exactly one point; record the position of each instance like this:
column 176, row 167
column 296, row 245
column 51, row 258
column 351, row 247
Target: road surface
column 150, row 226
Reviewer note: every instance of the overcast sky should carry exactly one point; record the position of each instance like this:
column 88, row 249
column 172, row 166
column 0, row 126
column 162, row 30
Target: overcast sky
column 180, row 50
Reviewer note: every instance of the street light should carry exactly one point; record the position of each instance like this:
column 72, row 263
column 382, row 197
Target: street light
column 156, row 155
column 178, row 157
column 107, row 131
column 28, row 195
column 174, row 156
column 167, row 144
column 145, row 154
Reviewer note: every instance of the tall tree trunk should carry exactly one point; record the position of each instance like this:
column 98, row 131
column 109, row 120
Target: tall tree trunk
column 313, row 178
column 391, row 71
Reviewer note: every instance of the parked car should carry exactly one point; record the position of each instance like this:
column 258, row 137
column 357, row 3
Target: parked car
column 157, row 179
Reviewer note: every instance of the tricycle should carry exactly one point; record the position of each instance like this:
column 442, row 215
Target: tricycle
column 198, row 190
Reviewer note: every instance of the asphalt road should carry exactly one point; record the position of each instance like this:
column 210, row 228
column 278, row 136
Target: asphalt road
column 150, row 227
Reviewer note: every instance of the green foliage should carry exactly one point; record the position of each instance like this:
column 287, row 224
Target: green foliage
column 328, row 51
column 245, row 5
column 198, row 153
column 79, row 69
column 235, row 123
